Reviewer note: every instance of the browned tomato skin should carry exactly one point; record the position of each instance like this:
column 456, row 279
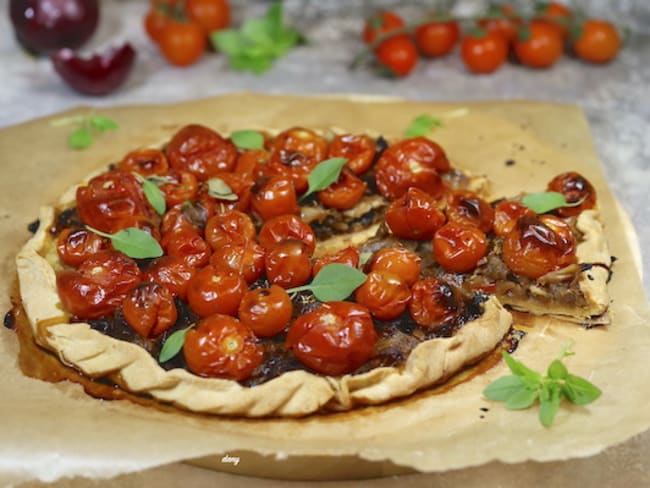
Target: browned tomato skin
column 229, row 227
column 274, row 197
column 222, row 347
column 267, row 311
column 201, row 151
column 149, row 309
column 183, row 186
column 239, row 184
column 398, row 261
column 359, row 150
column 287, row 264
column 245, row 259
column 575, row 188
column 145, row 162
column 466, row 207
column 458, row 248
column 384, row 295
column 432, row 303
column 344, row 193
column 171, row 272
column 252, row 163
column 176, row 219
column 334, row 339
column 506, row 215
column 348, row 255
column 285, row 227
column 74, row 246
column 188, row 245
column 212, row 291
column 414, row 215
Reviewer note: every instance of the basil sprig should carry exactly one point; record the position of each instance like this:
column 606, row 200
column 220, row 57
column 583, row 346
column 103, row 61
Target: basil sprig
column 87, row 126
column 425, row 123
column 133, row 242
column 219, row 189
column 154, row 195
column 247, row 139
column 324, row 174
column 525, row 386
column 173, row 344
column 546, row 201
column 333, row 282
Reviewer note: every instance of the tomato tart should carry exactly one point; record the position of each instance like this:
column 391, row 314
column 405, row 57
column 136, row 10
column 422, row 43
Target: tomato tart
column 281, row 274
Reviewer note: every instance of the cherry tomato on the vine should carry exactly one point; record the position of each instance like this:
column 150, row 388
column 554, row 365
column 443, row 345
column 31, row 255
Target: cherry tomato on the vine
column 433, row 302
column 398, row 55
column 414, row 215
column 380, row 23
column 459, row 247
column 149, row 309
column 212, row 15
column 539, row 45
column 504, row 23
column 557, row 16
column 384, row 294
column 213, row 291
column 484, row 52
column 182, row 43
column 438, row 38
column 575, row 188
column 154, row 22
column 267, row 311
column 599, row 42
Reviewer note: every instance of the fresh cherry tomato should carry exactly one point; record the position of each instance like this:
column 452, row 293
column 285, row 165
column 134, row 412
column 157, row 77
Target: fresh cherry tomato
column 381, row 23
column 201, row 151
column 414, row 215
column 187, row 244
column 334, row 339
column 466, row 207
column 575, row 188
column 539, row 245
column 598, row 43
column 504, row 23
column 240, row 186
column 540, row 45
column 222, row 347
column 557, row 16
column 398, row 261
column 213, row 291
column 252, row 163
column 348, row 255
column 344, row 193
column 182, row 43
column 506, row 215
column 384, row 294
column 398, row 55
column 171, row 272
column 177, row 218
column 484, row 53
column 242, row 258
column 359, row 150
column 229, row 227
column 285, row 227
column 182, row 187
column 412, row 162
column 74, row 246
column 435, row 39
column 433, row 302
column 154, row 23
column 287, row 263
column 274, row 197
column 459, row 247
column 149, row 309
column 212, row 15
column 267, row 311
column 145, row 162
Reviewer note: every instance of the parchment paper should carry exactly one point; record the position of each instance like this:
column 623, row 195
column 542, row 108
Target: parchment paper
column 54, row 430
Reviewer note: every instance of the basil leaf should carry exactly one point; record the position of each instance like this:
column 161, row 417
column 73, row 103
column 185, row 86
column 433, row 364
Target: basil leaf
column 502, row 389
column 173, row 344
column 248, row 139
column 530, row 377
column 101, row 123
column 549, row 402
column 80, row 138
column 521, row 399
column 422, row 125
column 557, row 370
column 219, row 189
column 546, row 201
column 580, row 391
column 160, row 180
column 364, row 257
column 154, row 196
column 324, row 174
column 334, row 282
column 133, row 242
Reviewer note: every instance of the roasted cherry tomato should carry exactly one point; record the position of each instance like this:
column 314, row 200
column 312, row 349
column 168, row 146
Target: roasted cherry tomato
column 201, row 151
column 149, row 309
column 176, row 218
column 575, row 188
column 398, row 261
column 414, row 215
column 240, row 199
column 397, row 54
column 503, row 23
column 348, row 255
column 275, row 196
column 229, row 227
column 459, row 247
column 506, row 215
column 380, row 23
column 285, row 227
column 145, row 162
column 212, row 15
column 539, row 245
column 154, row 22
column 188, row 245
column 182, row 186
column 435, row 39
column 599, row 42
column 222, row 347
column 484, row 53
column 182, row 43
column 252, row 163
column 540, row 46
column 245, row 259
column 334, row 339
column 412, row 162
column 287, row 263
column 359, row 150
column 466, row 207
column 557, row 16
column 344, row 193
column 294, row 153
column 171, row 272
column 433, row 302
column 267, row 311
column 384, row 294
column 213, row 291
column 74, row 246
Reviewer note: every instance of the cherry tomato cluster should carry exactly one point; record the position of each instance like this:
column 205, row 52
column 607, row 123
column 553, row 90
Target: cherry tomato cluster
column 181, row 28
column 537, row 41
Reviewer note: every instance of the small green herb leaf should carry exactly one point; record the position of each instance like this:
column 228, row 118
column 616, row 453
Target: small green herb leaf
column 422, row 125
column 546, row 201
column 528, row 376
column 334, row 282
column 364, row 257
column 173, row 344
column 219, row 189
column 502, row 389
column 101, row 123
column 557, row 370
column 579, row 390
column 133, row 242
column 248, row 139
column 550, row 398
column 324, row 174
column 80, row 138
column 154, row 195
column 521, row 399
column 160, row 180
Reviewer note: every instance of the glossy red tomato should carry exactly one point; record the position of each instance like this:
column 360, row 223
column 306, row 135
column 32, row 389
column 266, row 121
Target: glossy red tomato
column 212, row 291
column 504, row 23
column 334, row 339
column 348, row 255
column 414, row 215
column 276, row 196
column 557, row 16
column 539, row 245
column 575, row 188
column 541, row 47
column 287, row 263
column 433, row 302
column 222, row 347
column 171, row 272
column 182, row 43
column 466, row 207
column 599, row 42
column 176, row 218
column 74, row 246
column 359, row 150
column 145, row 162
column 245, row 259
column 149, row 309
column 182, row 186
column 398, row 261
column 252, row 162
column 201, row 151
column 212, row 15
column 240, row 187
column 384, row 294
column 506, row 215
column 414, row 162
column 435, row 39
column 484, row 53
column 459, row 247
column 344, row 193
column 398, row 55
column 267, row 311
column 229, row 227
column 187, row 245
column 154, row 22
column 285, row 227
column 380, row 23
